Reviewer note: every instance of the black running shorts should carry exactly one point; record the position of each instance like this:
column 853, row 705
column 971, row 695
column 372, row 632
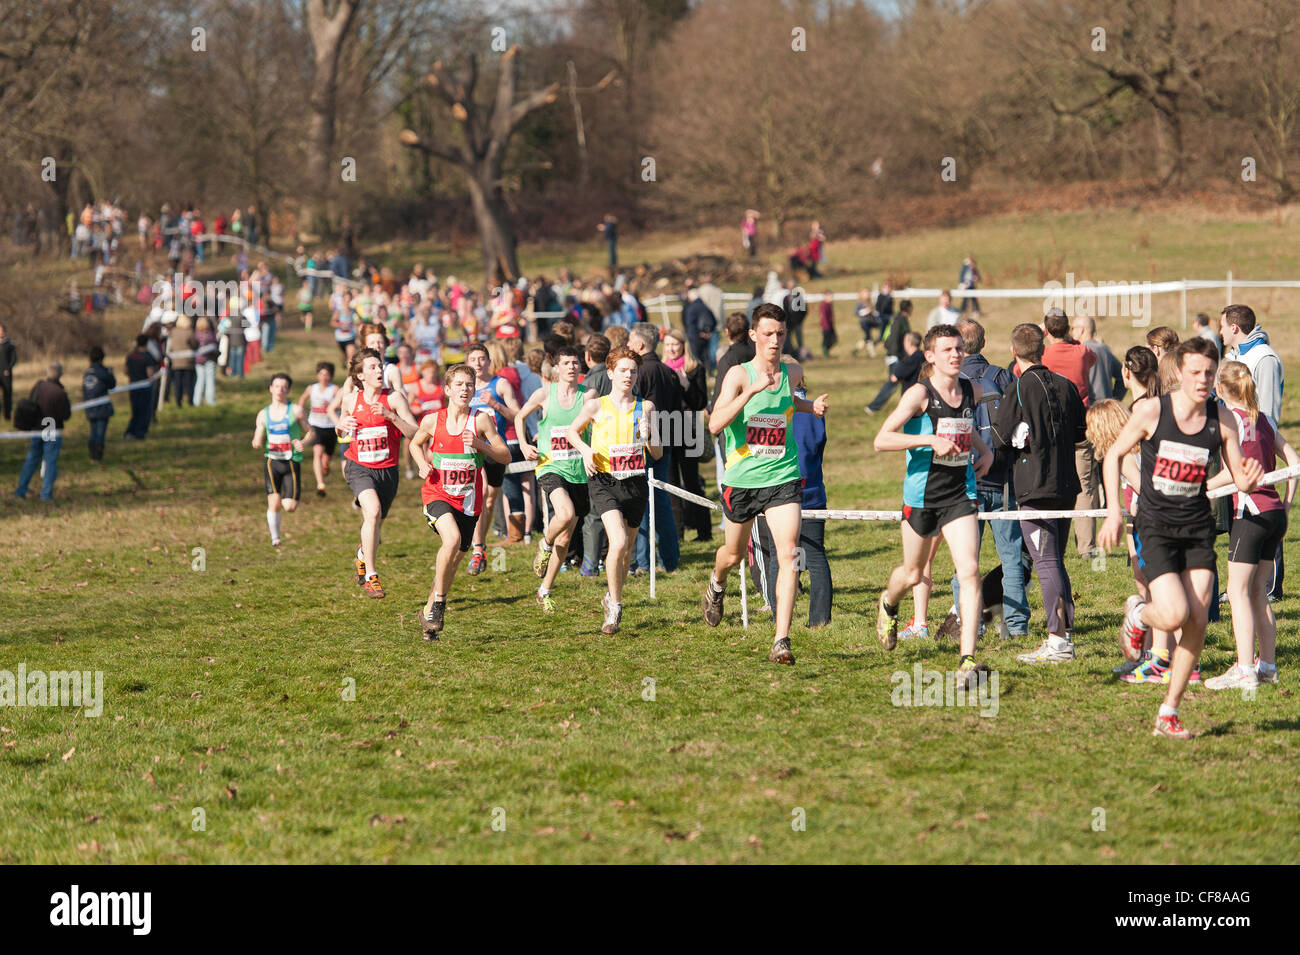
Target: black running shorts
column 464, row 523
column 496, row 473
column 629, row 496
column 577, row 492
column 1255, row 537
column 741, row 504
column 383, row 481
column 328, row 439
column 1171, row 549
column 930, row 521
column 283, row 478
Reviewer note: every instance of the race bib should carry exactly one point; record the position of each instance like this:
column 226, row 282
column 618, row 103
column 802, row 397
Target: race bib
column 765, row 435
column 1180, row 469
column 457, row 480
column 626, row 460
column 372, row 445
column 279, row 450
column 319, row 410
column 561, row 450
column 959, row 432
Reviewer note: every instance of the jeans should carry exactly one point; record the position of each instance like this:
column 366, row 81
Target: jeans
column 41, row 449
column 512, row 487
column 666, row 530
column 98, row 432
column 1008, row 541
column 205, row 383
column 268, row 333
column 183, row 385
column 812, row 548
column 712, row 349
column 882, row 396
column 236, row 359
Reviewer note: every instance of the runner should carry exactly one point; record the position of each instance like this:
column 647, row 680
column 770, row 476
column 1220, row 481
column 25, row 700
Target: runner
column 492, row 395
column 1174, row 529
column 1259, row 524
column 755, row 409
column 284, row 427
column 453, row 490
column 428, row 394
column 615, row 460
column 317, row 397
column 560, row 472
column 935, row 424
column 375, row 416
column 374, row 338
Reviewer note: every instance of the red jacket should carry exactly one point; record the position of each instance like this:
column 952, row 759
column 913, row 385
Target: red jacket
column 1073, row 361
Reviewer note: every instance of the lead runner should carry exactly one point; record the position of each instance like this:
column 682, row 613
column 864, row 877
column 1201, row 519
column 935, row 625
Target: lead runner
column 1174, row 528
column 755, row 408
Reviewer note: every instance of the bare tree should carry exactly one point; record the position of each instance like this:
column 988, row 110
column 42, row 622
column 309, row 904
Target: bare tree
column 481, row 153
column 328, row 25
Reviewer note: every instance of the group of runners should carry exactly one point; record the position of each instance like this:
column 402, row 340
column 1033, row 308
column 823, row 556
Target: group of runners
column 591, row 454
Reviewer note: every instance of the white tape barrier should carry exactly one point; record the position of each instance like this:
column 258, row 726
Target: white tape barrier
column 79, row 406
column 272, row 254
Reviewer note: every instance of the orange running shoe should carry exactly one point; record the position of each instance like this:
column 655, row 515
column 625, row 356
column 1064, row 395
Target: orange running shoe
column 373, row 587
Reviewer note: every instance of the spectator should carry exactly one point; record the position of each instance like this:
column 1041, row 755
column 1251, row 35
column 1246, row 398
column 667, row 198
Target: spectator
column 795, row 304
column 711, row 295
column 95, row 384
column 755, row 300
column 827, row 322
column 1203, row 329
column 1161, row 339
column 1074, row 362
column 181, row 345
column 205, row 363
column 609, row 227
column 749, row 232
column 52, row 401
column 657, row 383
column 969, row 278
column 739, row 351
column 867, row 321
column 892, row 336
column 617, row 336
column 686, row 455
column 700, row 322
column 8, row 359
column 943, row 313
column 1106, row 378
column 597, row 380
column 141, row 365
column 884, row 310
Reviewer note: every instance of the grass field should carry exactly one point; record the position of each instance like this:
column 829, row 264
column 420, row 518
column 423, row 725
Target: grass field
column 224, row 687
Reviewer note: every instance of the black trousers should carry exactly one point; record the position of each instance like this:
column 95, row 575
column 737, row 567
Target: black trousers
column 7, row 394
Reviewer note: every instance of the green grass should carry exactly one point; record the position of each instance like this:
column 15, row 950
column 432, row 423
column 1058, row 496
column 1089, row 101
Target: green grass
column 224, row 687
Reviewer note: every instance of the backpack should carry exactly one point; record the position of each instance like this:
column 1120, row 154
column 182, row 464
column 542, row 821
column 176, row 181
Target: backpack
column 27, row 414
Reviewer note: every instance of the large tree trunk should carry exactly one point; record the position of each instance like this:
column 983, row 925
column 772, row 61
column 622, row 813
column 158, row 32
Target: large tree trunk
column 327, row 32
column 494, row 230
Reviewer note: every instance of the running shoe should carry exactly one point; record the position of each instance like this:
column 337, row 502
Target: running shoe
column 971, row 674
column 1195, row 678
column 613, row 614
column 275, row 543
column 781, row 652
column 886, row 626
column 373, row 587
column 1047, row 653
column 1151, row 671
column 914, row 631
column 1238, row 677
column 1265, row 671
column 712, row 605
column 320, row 492
column 1172, row 727
column 546, row 602
column 543, row 558
column 431, row 623
column 1132, row 632
column 1128, row 666
column 477, row 561
column 361, row 571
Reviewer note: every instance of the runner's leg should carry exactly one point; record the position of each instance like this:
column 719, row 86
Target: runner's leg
column 449, row 555
column 962, row 536
column 616, row 561
column 783, row 523
column 370, row 521
column 1242, row 588
column 1196, row 585
column 559, row 532
column 1265, row 621
column 917, row 552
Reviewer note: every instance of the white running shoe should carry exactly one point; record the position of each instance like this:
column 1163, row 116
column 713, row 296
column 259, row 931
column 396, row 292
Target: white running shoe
column 613, row 614
column 1266, row 672
column 1238, row 677
column 1046, row 653
column 915, row 631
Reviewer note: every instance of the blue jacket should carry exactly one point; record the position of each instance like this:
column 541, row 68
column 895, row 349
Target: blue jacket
column 994, row 381
column 810, row 438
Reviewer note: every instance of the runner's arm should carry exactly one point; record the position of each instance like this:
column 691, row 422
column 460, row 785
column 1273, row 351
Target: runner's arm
column 735, row 393
column 493, row 445
column 308, row 432
column 650, row 424
column 578, row 426
column 536, row 403
column 891, row 438
column 817, row 406
column 258, row 430
column 401, row 415
column 1141, row 424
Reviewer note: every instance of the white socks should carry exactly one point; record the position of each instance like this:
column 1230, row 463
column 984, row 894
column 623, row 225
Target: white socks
column 273, row 522
column 1168, row 710
column 1058, row 643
